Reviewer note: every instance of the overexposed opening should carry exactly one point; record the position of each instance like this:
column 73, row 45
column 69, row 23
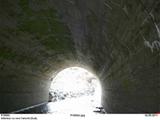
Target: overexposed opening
column 75, row 88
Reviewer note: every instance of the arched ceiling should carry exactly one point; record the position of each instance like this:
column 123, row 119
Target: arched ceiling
column 117, row 39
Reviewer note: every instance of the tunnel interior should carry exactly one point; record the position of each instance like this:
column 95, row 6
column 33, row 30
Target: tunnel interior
column 117, row 40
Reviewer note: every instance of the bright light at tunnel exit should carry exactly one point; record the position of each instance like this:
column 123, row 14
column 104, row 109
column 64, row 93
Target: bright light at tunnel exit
column 76, row 82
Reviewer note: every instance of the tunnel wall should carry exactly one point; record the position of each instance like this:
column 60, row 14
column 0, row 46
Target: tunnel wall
column 118, row 39
column 35, row 43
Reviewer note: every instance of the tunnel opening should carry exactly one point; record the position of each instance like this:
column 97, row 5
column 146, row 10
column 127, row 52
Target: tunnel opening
column 75, row 89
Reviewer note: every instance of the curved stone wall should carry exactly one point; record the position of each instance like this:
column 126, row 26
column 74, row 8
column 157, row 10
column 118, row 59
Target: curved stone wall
column 117, row 39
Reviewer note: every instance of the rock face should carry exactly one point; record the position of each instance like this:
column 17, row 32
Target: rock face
column 119, row 40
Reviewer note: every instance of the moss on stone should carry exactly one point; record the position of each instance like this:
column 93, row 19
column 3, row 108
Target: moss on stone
column 6, row 55
column 47, row 26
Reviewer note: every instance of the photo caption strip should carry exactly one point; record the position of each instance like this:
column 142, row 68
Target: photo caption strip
column 147, row 116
